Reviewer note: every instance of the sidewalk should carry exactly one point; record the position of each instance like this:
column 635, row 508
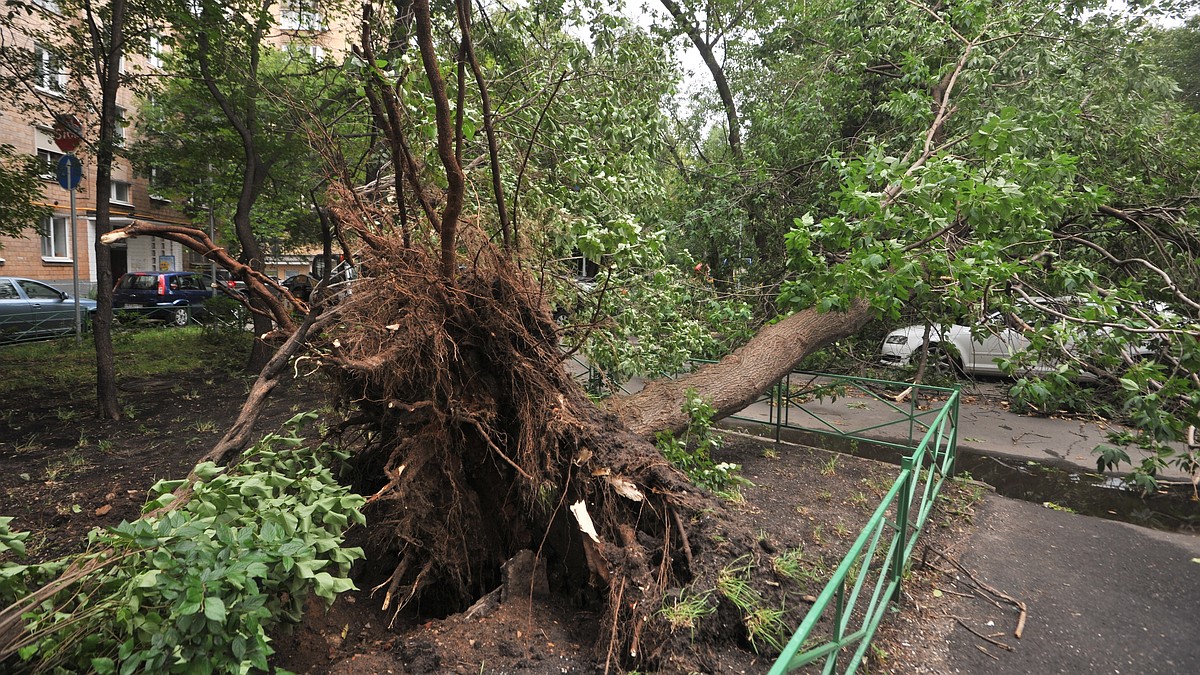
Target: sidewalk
column 1101, row 596
column 984, row 428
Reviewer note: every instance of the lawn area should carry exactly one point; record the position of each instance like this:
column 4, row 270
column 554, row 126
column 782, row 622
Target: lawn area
column 150, row 352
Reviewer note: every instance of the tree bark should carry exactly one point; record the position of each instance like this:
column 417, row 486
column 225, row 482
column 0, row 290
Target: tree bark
column 738, row 379
column 718, row 74
column 107, row 63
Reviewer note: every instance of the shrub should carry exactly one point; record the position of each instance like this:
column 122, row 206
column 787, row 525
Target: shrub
column 197, row 588
column 692, row 452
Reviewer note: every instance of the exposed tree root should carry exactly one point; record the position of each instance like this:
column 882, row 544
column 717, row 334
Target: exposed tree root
column 476, row 442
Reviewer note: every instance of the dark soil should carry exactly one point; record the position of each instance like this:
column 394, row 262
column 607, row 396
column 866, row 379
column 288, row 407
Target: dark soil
column 62, row 472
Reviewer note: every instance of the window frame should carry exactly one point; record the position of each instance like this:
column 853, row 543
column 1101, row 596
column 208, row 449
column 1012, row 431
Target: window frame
column 52, row 249
column 302, row 15
column 120, row 122
column 112, row 192
column 45, row 149
column 48, row 5
column 47, row 71
column 154, row 57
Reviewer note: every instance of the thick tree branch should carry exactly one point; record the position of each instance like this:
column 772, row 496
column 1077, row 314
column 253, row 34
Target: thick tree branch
column 1132, row 262
column 257, row 283
column 488, row 126
column 455, row 180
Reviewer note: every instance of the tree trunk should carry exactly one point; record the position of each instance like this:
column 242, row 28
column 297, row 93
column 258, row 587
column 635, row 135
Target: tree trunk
column 254, row 175
column 740, row 378
column 107, row 63
column 718, row 74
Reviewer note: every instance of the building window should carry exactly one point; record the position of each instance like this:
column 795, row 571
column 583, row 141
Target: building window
column 315, row 52
column 46, row 151
column 119, row 123
column 119, row 192
column 158, row 179
column 48, row 73
column 48, row 5
column 301, row 15
column 154, row 58
column 56, row 243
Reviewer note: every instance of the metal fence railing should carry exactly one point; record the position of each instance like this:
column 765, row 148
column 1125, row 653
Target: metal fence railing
column 837, row 631
column 838, row 628
column 16, row 327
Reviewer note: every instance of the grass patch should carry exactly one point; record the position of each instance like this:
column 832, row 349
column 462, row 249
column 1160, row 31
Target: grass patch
column 152, row 352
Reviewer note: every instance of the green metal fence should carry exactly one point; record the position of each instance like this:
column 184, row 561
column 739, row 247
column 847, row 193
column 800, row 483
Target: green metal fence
column 837, row 630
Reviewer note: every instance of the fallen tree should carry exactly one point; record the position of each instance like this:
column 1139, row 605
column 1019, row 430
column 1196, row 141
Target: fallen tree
column 470, row 441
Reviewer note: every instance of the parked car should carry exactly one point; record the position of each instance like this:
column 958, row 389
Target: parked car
column 165, row 296
column 979, row 350
column 300, row 286
column 231, row 282
column 30, row 310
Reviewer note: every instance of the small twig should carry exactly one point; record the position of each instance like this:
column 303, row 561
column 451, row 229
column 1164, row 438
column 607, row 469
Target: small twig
column 687, row 549
column 961, row 595
column 981, row 636
column 1003, row 596
column 985, row 651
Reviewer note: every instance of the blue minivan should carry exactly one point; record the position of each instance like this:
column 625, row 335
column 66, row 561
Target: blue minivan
column 168, row 296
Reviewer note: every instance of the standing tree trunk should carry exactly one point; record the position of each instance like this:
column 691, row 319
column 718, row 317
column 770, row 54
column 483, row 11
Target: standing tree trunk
column 108, row 42
column 254, row 173
column 688, row 24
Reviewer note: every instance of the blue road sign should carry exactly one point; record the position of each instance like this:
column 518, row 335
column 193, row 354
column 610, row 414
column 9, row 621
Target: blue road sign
column 69, row 172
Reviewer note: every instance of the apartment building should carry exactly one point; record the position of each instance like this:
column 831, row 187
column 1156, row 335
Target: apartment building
column 47, row 251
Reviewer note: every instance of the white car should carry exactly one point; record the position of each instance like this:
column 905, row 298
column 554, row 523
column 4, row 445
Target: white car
column 996, row 338
column 954, row 348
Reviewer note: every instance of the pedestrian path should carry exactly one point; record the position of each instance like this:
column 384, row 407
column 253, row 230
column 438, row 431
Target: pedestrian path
column 984, row 427
column 1100, row 596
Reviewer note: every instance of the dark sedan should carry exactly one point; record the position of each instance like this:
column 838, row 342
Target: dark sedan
column 31, row 310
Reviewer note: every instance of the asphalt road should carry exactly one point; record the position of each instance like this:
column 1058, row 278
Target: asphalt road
column 1102, row 596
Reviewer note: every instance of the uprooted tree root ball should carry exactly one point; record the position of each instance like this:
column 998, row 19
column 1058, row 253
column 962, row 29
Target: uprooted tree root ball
column 473, row 443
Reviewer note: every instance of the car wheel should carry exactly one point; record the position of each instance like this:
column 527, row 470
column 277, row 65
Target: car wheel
column 944, row 362
column 179, row 316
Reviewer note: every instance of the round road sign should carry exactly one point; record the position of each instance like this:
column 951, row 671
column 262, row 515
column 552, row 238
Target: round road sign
column 69, row 172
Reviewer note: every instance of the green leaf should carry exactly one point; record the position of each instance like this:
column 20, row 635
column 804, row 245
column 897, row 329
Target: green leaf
column 147, row 579
column 214, row 609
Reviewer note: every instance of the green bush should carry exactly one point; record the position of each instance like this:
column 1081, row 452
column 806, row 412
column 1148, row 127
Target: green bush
column 226, row 321
column 692, row 452
column 196, row 589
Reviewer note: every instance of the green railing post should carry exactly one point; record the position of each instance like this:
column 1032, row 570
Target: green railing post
column 903, row 502
column 912, row 413
column 838, row 632
column 780, row 401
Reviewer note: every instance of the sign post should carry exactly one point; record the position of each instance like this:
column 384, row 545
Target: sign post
column 68, row 133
